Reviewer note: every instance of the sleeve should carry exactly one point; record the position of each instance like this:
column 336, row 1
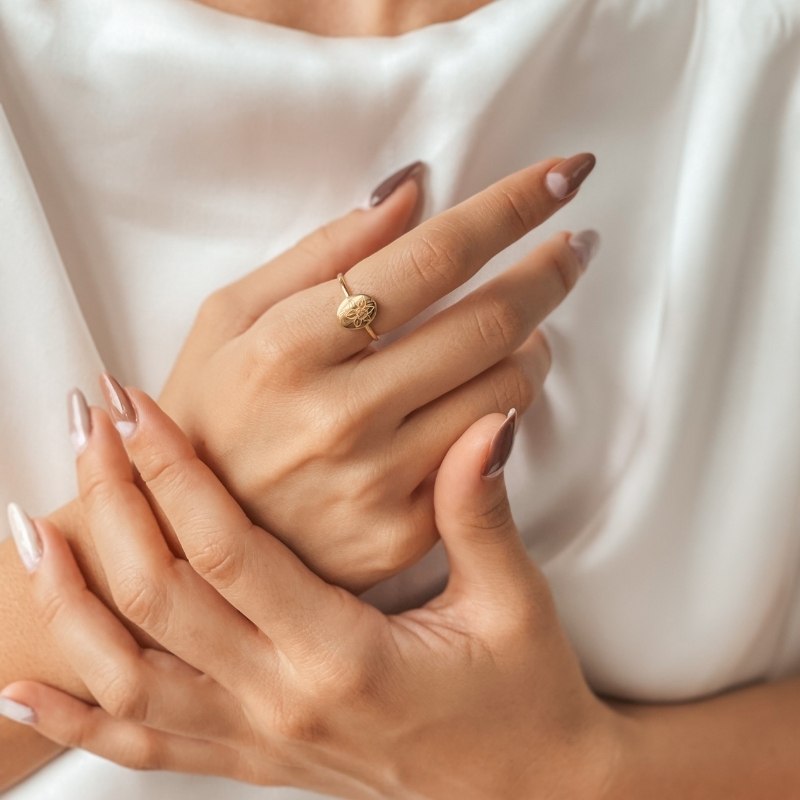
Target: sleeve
column 45, row 346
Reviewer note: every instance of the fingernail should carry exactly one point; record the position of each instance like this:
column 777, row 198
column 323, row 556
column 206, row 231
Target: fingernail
column 11, row 709
column 584, row 244
column 80, row 421
column 564, row 178
column 500, row 448
column 26, row 537
column 120, row 406
column 393, row 182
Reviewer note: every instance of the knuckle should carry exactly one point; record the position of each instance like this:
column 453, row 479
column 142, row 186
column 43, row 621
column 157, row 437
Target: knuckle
column 359, row 686
column 140, row 597
column 319, row 244
column 302, row 724
column 220, row 560
column 501, row 324
column 142, row 752
column 164, row 470
column 276, row 349
column 123, row 696
column 400, row 547
column 434, row 259
column 98, row 493
column 220, row 308
column 514, row 387
column 521, row 211
column 50, row 608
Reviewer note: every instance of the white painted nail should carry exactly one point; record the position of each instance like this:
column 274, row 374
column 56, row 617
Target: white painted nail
column 80, row 421
column 26, row 537
column 11, row 709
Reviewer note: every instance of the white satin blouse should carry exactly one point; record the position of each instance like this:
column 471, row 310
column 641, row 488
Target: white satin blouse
column 154, row 150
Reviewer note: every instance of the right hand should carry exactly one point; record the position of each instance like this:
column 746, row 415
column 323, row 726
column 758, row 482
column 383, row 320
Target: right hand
column 330, row 443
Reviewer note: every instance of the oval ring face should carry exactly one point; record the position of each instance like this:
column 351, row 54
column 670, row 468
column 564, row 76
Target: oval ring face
column 357, row 311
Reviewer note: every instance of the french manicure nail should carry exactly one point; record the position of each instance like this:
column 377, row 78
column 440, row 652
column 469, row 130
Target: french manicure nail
column 500, row 448
column 120, row 406
column 393, row 182
column 565, row 178
column 80, row 421
column 26, row 537
column 11, row 709
column 584, row 244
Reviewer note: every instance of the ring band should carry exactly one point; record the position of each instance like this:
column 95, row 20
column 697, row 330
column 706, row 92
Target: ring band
column 357, row 311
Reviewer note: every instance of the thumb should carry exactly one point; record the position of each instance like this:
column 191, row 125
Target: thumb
column 473, row 514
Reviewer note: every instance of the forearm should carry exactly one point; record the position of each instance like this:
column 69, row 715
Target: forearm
column 28, row 652
column 742, row 744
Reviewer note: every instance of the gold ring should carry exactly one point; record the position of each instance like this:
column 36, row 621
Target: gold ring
column 357, row 311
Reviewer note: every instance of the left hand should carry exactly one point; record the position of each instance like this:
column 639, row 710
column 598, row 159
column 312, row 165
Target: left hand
column 280, row 678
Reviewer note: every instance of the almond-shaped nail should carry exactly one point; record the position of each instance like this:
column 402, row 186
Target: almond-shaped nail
column 80, row 420
column 584, row 244
column 565, row 178
column 11, row 709
column 120, row 405
column 26, row 537
column 394, row 181
column 500, row 448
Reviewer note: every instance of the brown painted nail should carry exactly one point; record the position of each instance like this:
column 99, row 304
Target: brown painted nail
column 120, row 406
column 584, row 244
column 500, row 448
column 565, row 178
column 80, row 420
column 393, row 182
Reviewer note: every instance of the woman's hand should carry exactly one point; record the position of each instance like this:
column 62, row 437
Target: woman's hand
column 329, row 443
column 280, row 678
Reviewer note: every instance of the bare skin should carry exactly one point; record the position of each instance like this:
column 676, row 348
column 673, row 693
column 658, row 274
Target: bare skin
column 705, row 749
column 350, row 17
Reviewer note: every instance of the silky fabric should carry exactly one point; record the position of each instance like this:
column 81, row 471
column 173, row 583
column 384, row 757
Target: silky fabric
column 154, row 150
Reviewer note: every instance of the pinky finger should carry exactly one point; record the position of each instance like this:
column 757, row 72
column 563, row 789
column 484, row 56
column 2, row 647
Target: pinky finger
column 70, row 722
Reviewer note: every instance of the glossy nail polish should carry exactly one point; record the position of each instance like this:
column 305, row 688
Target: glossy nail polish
column 565, row 178
column 120, row 406
column 393, row 182
column 584, row 244
column 11, row 709
column 500, row 448
column 26, row 537
column 80, row 421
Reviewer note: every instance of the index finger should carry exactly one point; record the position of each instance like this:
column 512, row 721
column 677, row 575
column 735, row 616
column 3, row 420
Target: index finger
column 424, row 265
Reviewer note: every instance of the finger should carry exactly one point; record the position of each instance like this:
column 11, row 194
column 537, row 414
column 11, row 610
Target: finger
column 158, row 593
column 427, row 263
column 488, row 562
column 252, row 570
column 515, row 382
column 72, row 723
column 145, row 686
column 480, row 330
column 319, row 256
